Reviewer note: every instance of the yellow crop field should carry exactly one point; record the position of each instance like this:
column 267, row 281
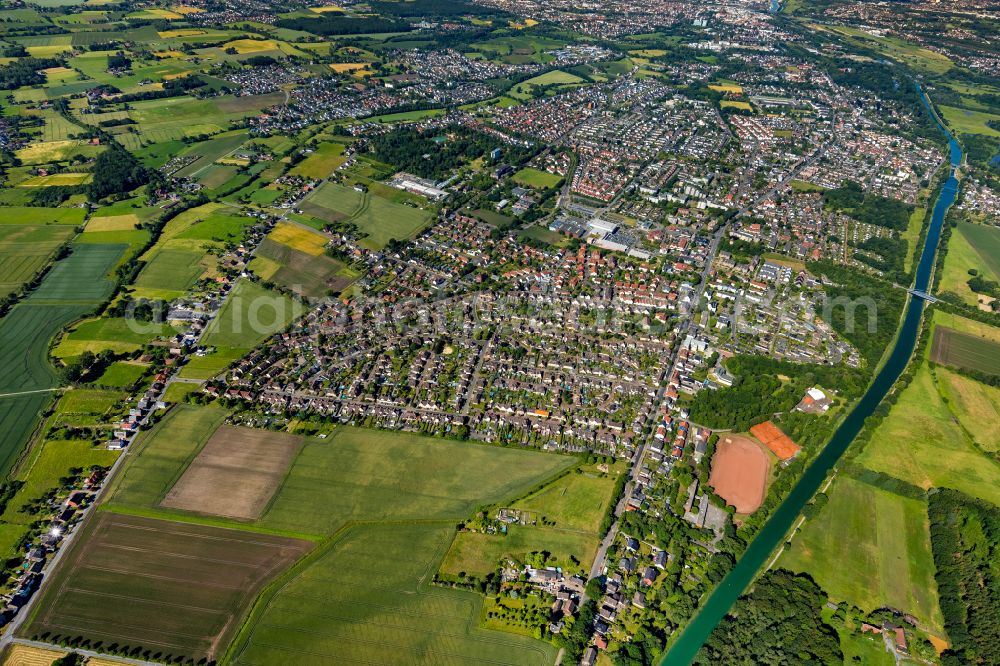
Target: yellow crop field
column 157, row 13
column 347, row 66
column 26, row 655
column 177, row 75
column 727, row 88
column 46, row 151
column 188, row 32
column 299, row 238
column 251, row 45
column 186, row 9
column 727, row 103
column 57, row 179
column 325, row 8
column 112, row 223
column 169, row 54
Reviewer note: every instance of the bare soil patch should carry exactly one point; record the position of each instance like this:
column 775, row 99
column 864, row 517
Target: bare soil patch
column 739, row 472
column 236, row 474
column 176, row 589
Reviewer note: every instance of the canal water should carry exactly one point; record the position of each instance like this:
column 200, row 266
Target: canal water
column 760, row 549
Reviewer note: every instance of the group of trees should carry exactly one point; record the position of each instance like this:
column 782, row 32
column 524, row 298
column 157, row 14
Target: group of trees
column 757, row 393
column 862, row 309
column 434, row 157
column 779, row 622
column 116, row 171
column 328, row 25
column 872, row 209
column 965, row 541
column 25, row 72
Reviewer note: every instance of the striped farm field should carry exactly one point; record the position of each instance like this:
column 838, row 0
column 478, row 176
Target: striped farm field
column 964, row 350
column 74, row 287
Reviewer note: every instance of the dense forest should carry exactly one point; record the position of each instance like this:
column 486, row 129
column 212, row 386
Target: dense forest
column 779, row 622
column 25, row 72
column 757, row 393
column 849, row 198
column 116, row 171
column 435, row 156
column 965, row 540
column 327, row 25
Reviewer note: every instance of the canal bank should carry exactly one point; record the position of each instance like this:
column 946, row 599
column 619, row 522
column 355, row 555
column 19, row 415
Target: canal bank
column 778, row 525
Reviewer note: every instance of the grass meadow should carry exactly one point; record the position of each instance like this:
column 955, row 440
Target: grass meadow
column 922, row 443
column 870, row 548
column 251, row 314
column 366, row 599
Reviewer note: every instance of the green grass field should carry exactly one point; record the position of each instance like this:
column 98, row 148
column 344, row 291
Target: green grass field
column 478, row 554
column 971, row 247
column 35, row 216
column 381, row 219
column 398, row 476
column 366, row 599
column 250, row 315
column 966, row 121
column 870, row 548
column 171, row 269
column 577, row 501
column 121, row 374
column 975, row 405
column 920, row 442
column 541, row 180
column 322, row 162
column 208, row 366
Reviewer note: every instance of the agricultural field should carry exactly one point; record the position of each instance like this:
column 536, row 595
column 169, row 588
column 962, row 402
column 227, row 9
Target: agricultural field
column 921, row 442
column 962, row 350
column 871, row 548
column 162, row 454
column 366, row 598
column 236, row 474
column 73, row 288
column 406, row 476
column 310, row 275
column 379, row 218
column 972, row 247
column 540, row 180
column 174, row 270
column 159, row 585
column 250, row 315
column 322, row 162
column 27, row 249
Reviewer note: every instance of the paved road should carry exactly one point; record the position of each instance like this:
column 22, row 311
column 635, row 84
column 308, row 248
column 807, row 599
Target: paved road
column 600, row 561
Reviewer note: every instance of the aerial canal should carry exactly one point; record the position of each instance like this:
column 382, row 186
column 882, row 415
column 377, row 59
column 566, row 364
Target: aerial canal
column 736, row 582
